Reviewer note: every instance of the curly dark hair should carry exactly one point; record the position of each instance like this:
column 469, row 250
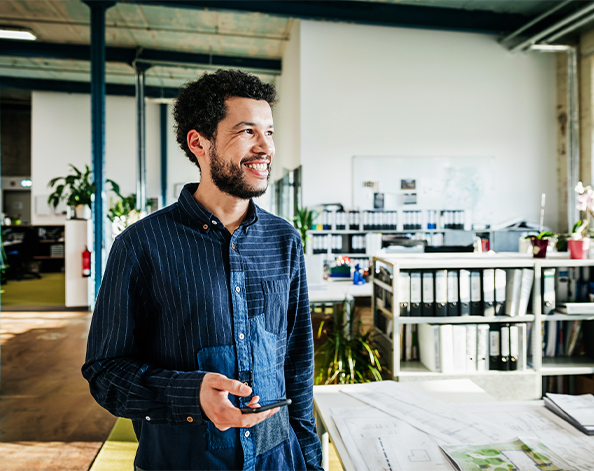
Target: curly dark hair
column 201, row 104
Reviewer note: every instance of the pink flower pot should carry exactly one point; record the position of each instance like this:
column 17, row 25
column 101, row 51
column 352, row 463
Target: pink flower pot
column 539, row 247
column 578, row 249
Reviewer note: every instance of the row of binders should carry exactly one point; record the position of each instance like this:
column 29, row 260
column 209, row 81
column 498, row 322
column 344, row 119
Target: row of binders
column 468, row 348
column 567, row 338
column 473, row 292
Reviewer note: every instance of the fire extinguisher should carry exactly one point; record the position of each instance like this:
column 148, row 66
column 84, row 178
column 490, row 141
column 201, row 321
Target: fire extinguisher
column 86, row 262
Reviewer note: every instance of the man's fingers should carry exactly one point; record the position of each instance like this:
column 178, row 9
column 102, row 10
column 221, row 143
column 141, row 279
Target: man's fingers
column 233, row 386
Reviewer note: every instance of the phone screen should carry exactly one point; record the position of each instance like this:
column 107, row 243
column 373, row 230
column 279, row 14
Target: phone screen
column 256, row 410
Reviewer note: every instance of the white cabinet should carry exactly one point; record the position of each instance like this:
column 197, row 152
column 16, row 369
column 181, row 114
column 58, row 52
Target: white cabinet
column 526, row 384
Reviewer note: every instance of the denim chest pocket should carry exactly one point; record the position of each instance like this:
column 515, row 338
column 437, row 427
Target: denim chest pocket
column 276, row 304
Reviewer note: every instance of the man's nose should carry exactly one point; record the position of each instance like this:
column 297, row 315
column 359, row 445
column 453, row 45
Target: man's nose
column 264, row 145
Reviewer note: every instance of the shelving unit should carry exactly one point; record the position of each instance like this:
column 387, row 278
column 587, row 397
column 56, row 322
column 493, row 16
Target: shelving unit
column 522, row 384
column 503, row 384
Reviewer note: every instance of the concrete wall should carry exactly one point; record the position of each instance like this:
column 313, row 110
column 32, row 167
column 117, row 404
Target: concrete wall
column 368, row 90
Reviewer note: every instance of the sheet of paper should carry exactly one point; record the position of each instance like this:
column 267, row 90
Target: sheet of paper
column 515, row 455
column 377, row 441
column 531, row 420
column 437, row 418
column 581, row 408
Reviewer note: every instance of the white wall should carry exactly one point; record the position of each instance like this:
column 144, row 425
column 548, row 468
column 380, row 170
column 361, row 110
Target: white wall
column 287, row 113
column 368, row 90
column 179, row 167
column 61, row 134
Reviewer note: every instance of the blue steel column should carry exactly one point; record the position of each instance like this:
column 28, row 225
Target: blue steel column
column 163, row 111
column 98, row 9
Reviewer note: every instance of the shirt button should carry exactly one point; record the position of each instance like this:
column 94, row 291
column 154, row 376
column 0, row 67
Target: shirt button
column 246, row 434
column 190, row 419
column 241, row 336
column 214, row 222
column 233, row 246
column 237, row 289
column 205, row 226
column 147, row 418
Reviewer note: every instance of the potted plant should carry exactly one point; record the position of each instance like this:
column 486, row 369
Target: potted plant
column 540, row 243
column 123, row 212
column 348, row 356
column 303, row 221
column 76, row 188
column 578, row 243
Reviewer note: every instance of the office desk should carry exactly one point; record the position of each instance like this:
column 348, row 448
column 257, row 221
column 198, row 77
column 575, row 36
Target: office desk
column 327, row 397
column 332, row 291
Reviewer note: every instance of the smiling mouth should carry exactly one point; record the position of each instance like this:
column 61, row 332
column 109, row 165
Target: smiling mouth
column 261, row 167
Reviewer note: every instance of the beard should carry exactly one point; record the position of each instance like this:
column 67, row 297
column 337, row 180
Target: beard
column 231, row 179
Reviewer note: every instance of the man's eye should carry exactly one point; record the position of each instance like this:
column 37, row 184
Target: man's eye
column 247, row 131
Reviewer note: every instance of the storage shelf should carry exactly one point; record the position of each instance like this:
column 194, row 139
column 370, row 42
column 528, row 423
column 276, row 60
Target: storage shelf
column 387, row 313
column 465, row 319
column 379, row 231
column 386, row 286
column 567, row 317
column 567, row 366
column 416, row 368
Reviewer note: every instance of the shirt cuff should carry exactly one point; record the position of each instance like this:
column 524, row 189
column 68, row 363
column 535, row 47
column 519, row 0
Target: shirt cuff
column 183, row 392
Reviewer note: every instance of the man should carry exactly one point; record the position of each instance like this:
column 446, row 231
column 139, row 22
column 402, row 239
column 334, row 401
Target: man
column 203, row 307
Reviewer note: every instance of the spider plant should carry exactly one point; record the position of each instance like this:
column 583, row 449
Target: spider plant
column 348, row 356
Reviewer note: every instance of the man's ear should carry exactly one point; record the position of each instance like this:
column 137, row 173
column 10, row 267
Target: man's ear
column 197, row 143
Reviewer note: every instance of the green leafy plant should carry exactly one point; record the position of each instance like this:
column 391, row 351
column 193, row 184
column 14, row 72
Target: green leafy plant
column 348, row 356
column 303, row 221
column 125, row 205
column 542, row 235
column 76, row 188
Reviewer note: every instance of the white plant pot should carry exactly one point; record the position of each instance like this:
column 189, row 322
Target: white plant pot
column 82, row 211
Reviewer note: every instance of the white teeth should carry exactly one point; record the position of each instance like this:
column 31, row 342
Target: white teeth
column 259, row 167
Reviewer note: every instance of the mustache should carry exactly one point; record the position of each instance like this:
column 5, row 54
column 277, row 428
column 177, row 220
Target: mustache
column 254, row 158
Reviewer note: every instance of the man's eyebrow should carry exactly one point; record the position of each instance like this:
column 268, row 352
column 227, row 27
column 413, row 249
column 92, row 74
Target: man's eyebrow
column 247, row 123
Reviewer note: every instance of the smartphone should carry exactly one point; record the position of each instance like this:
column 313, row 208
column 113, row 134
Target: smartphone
column 256, row 410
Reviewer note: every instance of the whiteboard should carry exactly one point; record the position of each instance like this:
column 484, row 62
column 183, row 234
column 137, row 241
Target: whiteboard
column 452, row 183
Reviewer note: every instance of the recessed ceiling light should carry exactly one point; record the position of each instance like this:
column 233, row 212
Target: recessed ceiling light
column 15, row 32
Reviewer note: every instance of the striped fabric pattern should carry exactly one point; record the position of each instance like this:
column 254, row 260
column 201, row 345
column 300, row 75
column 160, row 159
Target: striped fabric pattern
column 165, row 296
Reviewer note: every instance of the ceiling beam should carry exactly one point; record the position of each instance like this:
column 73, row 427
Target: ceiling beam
column 374, row 13
column 82, row 52
column 69, row 86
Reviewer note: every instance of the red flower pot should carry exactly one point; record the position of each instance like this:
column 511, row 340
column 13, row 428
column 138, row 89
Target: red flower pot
column 578, row 249
column 539, row 247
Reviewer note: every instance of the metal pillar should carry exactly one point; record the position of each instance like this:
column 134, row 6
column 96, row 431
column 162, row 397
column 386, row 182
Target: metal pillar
column 140, row 138
column 98, row 9
column 163, row 127
column 573, row 154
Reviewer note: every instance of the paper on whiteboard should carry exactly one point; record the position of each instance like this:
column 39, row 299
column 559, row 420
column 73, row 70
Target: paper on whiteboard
column 437, row 418
column 530, row 420
column 376, row 442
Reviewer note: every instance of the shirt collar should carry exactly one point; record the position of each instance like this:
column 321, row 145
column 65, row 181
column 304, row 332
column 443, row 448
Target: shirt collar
column 204, row 218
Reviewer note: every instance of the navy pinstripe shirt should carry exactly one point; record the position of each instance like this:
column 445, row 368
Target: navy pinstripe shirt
column 166, row 296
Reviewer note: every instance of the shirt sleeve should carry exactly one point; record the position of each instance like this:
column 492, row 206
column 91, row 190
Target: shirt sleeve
column 119, row 380
column 299, row 366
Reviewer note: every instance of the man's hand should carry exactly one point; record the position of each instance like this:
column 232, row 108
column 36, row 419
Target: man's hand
column 215, row 402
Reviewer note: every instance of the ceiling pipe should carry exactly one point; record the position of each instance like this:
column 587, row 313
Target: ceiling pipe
column 534, row 21
column 570, row 28
column 573, row 145
column 537, row 37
